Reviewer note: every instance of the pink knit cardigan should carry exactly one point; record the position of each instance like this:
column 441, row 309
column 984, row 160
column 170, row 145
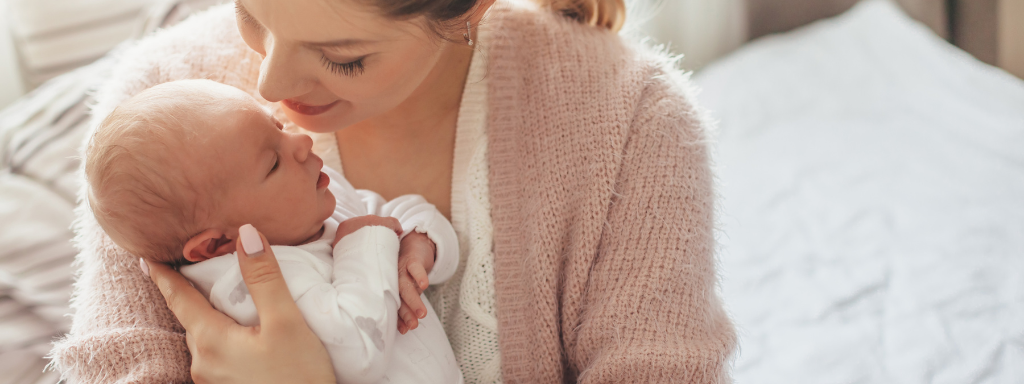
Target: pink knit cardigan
column 602, row 209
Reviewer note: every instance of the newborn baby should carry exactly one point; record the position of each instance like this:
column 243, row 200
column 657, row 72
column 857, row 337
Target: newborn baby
column 176, row 170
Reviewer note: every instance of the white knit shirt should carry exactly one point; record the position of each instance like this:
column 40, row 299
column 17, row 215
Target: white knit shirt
column 465, row 303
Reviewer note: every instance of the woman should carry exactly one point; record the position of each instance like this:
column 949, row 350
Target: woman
column 573, row 166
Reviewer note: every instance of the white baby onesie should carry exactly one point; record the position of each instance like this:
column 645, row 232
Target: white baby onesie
column 351, row 300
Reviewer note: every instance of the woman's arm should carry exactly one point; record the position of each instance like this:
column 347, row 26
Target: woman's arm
column 650, row 309
column 121, row 331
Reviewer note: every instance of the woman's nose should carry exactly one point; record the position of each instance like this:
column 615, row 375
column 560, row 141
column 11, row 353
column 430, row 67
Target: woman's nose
column 281, row 76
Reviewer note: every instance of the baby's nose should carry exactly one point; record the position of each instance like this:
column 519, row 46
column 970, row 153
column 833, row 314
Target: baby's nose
column 304, row 149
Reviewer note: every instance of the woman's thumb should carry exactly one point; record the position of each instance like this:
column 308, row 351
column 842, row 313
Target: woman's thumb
column 263, row 277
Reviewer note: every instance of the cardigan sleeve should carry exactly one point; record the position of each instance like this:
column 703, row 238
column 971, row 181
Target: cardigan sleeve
column 122, row 331
column 650, row 311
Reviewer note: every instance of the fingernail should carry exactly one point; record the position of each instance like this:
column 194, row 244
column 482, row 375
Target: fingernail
column 252, row 244
column 422, row 313
column 144, row 267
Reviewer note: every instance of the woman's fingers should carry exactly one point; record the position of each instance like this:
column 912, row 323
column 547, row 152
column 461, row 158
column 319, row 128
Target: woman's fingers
column 190, row 307
column 263, row 278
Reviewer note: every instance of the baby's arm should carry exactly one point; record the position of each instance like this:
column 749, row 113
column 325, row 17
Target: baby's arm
column 351, row 305
column 416, row 215
column 356, row 314
column 421, row 262
column 350, row 302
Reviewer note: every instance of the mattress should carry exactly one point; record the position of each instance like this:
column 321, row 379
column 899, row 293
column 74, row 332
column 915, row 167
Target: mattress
column 871, row 211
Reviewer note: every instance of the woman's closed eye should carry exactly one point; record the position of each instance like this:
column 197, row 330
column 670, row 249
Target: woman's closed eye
column 351, row 69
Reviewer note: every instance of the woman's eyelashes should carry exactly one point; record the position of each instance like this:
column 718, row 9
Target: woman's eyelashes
column 351, row 69
column 248, row 20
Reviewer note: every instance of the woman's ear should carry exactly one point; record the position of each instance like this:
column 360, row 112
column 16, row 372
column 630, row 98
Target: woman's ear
column 207, row 245
column 478, row 11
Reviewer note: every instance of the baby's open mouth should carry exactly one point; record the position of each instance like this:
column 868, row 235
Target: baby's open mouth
column 322, row 181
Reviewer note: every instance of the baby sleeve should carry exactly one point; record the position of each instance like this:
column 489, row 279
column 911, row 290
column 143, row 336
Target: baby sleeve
column 416, row 214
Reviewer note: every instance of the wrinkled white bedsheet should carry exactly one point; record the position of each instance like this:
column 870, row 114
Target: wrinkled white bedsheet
column 39, row 139
column 872, row 205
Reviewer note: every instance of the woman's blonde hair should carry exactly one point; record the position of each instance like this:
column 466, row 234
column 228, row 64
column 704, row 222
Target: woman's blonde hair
column 610, row 14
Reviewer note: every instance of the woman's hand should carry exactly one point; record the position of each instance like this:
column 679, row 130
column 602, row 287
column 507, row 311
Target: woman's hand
column 415, row 260
column 282, row 349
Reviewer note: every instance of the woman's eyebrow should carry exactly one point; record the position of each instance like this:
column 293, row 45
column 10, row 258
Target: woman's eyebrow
column 342, row 43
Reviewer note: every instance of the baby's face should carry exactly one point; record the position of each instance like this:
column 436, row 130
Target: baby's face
column 259, row 173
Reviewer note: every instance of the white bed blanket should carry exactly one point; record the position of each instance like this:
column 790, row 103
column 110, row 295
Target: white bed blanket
column 872, row 205
column 39, row 140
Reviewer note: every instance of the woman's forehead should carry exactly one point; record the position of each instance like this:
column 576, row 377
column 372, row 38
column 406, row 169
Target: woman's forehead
column 321, row 22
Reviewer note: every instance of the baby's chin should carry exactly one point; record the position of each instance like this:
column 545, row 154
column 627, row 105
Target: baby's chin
column 329, row 203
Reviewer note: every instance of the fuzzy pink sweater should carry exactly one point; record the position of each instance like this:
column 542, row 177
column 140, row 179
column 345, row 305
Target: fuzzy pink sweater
column 601, row 198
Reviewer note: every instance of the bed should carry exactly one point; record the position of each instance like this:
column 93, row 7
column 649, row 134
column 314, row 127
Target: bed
column 871, row 182
column 40, row 135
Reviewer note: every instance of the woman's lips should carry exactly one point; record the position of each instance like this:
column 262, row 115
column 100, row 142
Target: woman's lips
column 308, row 110
column 323, row 181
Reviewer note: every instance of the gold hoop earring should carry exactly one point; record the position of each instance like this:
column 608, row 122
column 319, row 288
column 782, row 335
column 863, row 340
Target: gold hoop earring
column 469, row 33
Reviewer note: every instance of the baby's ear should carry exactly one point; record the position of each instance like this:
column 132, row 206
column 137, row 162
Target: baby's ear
column 207, row 245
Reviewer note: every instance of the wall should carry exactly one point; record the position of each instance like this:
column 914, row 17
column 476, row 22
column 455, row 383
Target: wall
column 10, row 78
column 701, row 30
column 1011, row 36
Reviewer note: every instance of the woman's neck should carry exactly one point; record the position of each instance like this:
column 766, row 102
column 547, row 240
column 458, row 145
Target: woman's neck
column 410, row 149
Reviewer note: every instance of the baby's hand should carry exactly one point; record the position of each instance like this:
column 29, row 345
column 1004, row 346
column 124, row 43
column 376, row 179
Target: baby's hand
column 415, row 261
column 354, row 224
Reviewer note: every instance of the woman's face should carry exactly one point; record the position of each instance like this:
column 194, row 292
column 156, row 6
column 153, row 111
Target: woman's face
column 333, row 63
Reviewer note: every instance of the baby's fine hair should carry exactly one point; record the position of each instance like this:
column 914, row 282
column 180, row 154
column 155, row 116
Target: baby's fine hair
column 143, row 201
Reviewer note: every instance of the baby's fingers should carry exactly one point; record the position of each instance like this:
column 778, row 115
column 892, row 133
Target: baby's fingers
column 406, row 320
column 410, row 294
column 418, row 274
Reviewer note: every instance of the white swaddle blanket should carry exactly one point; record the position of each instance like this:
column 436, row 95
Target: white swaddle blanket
column 351, row 300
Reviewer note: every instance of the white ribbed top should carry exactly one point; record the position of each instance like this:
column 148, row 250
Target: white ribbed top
column 465, row 303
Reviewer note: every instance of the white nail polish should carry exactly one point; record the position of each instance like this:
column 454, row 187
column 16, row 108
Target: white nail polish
column 252, row 244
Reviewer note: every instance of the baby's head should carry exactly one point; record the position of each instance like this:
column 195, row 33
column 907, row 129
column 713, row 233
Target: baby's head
column 174, row 171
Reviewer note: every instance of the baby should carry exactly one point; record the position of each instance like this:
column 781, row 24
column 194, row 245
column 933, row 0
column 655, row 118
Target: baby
column 176, row 170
